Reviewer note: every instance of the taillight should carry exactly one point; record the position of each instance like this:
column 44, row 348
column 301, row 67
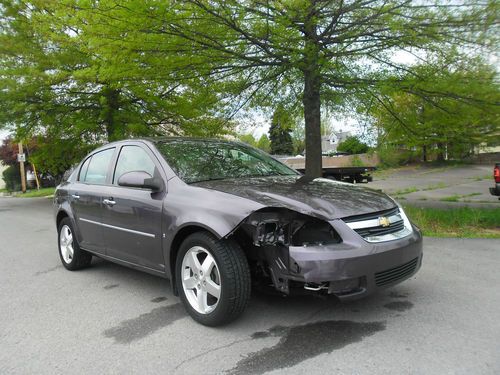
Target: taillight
column 496, row 173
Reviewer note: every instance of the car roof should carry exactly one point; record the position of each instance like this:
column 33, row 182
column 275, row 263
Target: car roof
column 155, row 140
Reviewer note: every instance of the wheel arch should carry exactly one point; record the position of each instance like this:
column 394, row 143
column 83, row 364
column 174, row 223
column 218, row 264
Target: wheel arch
column 60, row 216
column 179, row 237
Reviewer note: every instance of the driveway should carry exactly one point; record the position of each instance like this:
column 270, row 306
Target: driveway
column 436, row 186
column 110, row 319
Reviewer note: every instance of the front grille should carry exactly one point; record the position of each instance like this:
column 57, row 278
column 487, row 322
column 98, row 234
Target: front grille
column 370, row 228
column 371, row 215
column 397, row 273
column 380, row 231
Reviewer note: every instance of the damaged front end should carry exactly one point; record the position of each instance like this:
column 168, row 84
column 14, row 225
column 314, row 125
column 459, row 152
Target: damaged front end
column 292, row 251
column 269, row 235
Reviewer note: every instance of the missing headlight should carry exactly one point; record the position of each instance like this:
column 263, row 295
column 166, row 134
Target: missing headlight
column 285, row 227
column 314, row 232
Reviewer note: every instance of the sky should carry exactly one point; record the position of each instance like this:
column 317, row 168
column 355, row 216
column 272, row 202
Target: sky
column 3, row 134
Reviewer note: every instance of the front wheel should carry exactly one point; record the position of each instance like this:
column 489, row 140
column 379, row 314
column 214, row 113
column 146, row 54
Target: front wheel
column 213, row 279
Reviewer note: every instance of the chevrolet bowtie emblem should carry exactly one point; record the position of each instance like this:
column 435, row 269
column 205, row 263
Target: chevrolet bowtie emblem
column 383, row 221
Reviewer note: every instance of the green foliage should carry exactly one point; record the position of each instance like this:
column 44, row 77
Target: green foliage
column 61, row 79
column 96, row 71
column 298, row 138
column 12, row 178
column 57, row 154
column 279, row 132
column 357, row 162
column 264, row 143
column 391, row 157
column 441, row 107
column 249, row 139
column 352, row 145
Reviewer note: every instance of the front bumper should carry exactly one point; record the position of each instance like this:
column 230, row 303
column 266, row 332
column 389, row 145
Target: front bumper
column 355, row 267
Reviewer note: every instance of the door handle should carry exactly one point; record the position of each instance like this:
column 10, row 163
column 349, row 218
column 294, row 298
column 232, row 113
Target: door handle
column 109, row 202
column 75, row 196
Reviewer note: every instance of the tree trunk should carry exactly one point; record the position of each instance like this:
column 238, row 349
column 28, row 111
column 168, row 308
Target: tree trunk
column 111, row 106
column 312, row 117
column 440, row 154
column 312, row 98
column 424, row 153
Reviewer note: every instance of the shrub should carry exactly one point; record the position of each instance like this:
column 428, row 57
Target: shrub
column 352, row 145
column 391, row 157
column 12, row 178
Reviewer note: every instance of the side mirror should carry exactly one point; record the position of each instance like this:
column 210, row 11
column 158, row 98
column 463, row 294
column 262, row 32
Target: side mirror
column 141, row 180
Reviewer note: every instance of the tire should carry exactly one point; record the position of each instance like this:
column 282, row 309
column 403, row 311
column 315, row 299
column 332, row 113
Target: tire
column 72, row 257
column 227, row 269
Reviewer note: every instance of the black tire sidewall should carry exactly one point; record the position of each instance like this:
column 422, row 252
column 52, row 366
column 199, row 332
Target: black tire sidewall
column 219, row 315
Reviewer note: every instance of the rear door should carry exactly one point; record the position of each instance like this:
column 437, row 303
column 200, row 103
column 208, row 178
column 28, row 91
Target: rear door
column 86, row 199
column 132, row 217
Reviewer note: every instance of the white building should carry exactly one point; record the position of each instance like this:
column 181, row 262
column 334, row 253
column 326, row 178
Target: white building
column 330, row 142
column 2, row 168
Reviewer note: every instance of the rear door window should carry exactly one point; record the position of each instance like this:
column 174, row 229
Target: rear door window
column 98, row 167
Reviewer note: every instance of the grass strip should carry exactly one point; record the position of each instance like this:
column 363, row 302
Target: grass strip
column 44, row 192
column 463, row 222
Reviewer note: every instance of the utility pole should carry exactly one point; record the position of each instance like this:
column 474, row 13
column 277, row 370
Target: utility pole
column 21, row 167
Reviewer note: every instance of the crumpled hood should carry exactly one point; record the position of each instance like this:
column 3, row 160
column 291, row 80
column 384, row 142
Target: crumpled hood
column 323, row 198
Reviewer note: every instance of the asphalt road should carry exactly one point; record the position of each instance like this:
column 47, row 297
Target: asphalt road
column 431, row 186
column 109, row 319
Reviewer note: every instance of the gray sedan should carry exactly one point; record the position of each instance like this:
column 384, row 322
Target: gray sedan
column 218, row 217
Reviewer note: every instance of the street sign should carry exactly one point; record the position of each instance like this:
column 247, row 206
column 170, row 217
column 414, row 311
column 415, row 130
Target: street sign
column 21, row 157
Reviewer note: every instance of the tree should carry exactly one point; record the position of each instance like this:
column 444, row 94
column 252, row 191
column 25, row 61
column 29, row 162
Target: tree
column 248, row 139
column 352, row 145
column 298, row 137
column 59, row 82
column 8, row 152
column 144, row 64
column 279, row 132
column 310, row 52
column 264, row 143
column 451, row 106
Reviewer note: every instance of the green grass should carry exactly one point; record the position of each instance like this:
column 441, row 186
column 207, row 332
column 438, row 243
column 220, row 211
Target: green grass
column 465, row 222
column 44, row 192
column 457, row 197
column 408, row 190
column 4, row 191
column 440, row 185
column 485, row 177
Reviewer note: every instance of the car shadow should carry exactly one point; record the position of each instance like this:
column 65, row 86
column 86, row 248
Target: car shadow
column 275, row 326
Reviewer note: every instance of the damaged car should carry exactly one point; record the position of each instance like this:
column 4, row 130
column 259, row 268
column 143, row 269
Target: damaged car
column 218, row 218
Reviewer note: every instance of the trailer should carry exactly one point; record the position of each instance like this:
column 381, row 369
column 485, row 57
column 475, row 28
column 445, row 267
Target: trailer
column 335, row 172
column 347, row 174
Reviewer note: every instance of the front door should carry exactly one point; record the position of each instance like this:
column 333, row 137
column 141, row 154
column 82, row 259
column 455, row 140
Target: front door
column 132, row 218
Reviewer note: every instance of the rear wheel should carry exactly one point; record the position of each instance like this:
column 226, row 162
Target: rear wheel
column 213, row 279
column 72, row 257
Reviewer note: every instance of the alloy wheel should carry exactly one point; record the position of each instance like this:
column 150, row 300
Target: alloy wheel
column 201, row 280
column 66, row 244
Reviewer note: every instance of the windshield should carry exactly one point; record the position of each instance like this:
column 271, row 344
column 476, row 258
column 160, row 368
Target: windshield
column 195, row 161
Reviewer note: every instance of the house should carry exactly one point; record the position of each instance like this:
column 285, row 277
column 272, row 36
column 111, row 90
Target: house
column 3, row 167
column 330, row 142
